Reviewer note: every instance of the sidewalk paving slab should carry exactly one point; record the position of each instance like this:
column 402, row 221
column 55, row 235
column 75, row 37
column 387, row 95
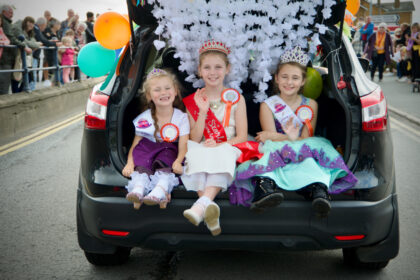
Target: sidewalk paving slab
column 400, row 97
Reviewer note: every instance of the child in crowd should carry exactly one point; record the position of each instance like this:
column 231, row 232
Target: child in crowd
column 218, row 120
column 292, row 160
column 160, row 142
column 70, row 33
column 67, row 55
column 401, row 58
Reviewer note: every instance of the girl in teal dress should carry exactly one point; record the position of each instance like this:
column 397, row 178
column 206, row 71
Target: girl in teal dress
column 292, row 160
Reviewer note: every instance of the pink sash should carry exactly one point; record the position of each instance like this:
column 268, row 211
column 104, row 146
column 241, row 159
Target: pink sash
column 213, row 129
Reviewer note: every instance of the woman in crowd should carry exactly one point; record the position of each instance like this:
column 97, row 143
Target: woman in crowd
column 51, row 33
column 24, row 31
column 379, row 50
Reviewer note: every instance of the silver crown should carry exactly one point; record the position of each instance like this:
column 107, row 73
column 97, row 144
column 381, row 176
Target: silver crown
column 156, row 72
column 295, row 55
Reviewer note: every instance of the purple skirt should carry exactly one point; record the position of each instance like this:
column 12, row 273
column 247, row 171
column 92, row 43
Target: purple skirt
column 149, row 156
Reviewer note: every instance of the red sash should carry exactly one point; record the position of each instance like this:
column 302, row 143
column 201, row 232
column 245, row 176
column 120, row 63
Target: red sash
column 213, row 129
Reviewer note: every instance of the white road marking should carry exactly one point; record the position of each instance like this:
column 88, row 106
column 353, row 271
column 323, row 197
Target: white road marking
column 24, row 141
column 407, row 130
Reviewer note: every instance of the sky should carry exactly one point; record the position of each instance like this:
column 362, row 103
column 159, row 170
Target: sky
column 58, row 8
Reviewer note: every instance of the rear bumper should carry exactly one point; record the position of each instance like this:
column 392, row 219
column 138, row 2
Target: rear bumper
column 291, row 225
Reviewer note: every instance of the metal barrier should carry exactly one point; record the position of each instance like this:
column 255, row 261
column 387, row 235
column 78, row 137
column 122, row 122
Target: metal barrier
column 25, row 69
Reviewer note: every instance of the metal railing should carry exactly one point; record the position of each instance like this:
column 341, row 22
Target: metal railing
column 25, row 70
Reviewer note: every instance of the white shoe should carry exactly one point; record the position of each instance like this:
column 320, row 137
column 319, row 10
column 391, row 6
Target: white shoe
column 46, row 83
column 211, row 217
column 402, row 79
column 193, row 217
column 136, row 198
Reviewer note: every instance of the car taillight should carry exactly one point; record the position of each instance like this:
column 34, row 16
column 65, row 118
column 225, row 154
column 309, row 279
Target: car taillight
column 95, row 117
column 374, row 111
column 115, row 232
column 349, row 237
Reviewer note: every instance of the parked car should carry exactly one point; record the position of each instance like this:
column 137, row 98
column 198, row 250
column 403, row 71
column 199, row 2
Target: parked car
column 363, row 221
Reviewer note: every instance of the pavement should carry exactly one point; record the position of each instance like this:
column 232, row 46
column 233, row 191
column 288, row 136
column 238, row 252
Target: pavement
column 400, row 97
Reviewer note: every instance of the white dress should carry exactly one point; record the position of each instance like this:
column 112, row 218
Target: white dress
column 212, row 166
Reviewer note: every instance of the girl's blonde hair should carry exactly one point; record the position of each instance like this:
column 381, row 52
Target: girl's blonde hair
column 146, row 99
column 66, row 39
column 280, row 66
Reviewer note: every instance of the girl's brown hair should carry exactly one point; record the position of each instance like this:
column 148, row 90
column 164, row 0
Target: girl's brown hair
column 280, row 65
column 25, row 23
column 148, row 103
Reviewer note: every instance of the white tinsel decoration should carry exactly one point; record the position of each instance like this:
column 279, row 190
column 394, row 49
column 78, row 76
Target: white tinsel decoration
column 257, row 32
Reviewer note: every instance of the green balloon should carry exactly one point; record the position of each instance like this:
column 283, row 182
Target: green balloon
column 95, row 60
column 313, row 84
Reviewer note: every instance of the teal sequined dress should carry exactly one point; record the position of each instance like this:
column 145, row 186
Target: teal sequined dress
column 293, row 165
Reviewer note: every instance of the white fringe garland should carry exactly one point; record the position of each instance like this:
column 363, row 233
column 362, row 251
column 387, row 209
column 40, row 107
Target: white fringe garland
column 257, row 33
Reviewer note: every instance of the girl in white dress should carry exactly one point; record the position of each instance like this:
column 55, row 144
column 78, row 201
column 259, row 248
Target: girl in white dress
column 218, row 120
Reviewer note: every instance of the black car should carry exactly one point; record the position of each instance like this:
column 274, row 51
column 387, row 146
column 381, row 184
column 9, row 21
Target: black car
column 363, row 221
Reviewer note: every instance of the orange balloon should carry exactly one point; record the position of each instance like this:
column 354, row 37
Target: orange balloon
column 353, row 6
column 112, row 30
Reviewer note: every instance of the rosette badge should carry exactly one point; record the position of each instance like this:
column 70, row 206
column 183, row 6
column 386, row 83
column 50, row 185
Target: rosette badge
column 229, row 96
column 306, row 114
column 169, row 132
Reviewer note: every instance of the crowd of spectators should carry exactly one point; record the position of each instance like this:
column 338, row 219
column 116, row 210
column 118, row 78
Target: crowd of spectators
column 398, row 50
column 64, row 40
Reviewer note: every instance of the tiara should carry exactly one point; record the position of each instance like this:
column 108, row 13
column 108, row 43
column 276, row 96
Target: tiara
column 156, row 72
column 212, row 45
column 295, row 55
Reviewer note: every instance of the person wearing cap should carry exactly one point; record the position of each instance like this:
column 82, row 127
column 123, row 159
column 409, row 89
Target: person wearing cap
column 8, row 57
column 379, row 50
